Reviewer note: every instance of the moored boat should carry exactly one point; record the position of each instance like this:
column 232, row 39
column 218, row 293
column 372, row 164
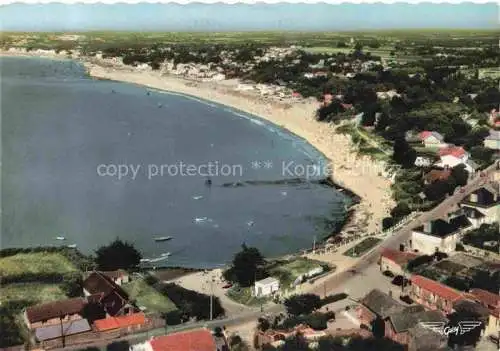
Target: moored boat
column 163, row 238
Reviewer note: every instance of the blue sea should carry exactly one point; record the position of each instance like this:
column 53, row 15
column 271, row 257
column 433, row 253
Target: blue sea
column 92, row 160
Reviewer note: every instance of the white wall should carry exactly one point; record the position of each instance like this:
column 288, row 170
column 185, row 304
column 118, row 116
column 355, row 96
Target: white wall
column 426, row 244
column 265, row 289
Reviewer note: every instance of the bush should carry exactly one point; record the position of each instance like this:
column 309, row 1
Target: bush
column 459, row 247
column 421, row 260
column 302, row 304
column 174, row 317
column 387, row 222
column 333, row 298
column 73, row 285
column 192, row 303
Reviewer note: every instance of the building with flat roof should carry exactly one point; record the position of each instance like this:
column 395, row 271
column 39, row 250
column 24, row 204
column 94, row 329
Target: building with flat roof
column 439, row 235
column 266, row 287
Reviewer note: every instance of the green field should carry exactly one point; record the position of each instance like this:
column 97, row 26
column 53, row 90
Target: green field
column 34, row 292
column 146, row 296
column 287, row 272
column 362, row 247
column 244, row 296
column 313, row 41
column 35, row 263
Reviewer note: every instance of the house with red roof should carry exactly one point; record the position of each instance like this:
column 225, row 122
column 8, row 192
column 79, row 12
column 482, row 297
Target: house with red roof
column 433, row 295
column 130, row 323
column 431, row 139
column 455, row 151
column 193, row 340
column 102, row 289
column 395, row 260
column 452, row 156
column 53, row 313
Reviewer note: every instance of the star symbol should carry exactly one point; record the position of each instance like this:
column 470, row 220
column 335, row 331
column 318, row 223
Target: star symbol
column 268, row 164
column 255, row 164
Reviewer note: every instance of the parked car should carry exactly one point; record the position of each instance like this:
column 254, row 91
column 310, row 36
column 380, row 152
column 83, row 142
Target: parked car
column 388, row 274
column 399, row 280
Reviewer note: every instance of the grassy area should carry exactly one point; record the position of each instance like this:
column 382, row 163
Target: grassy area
column 288, row 271
column 35, row 263
column 149, row 297
column 362, row 247
column 244, row 296
column 34, row 292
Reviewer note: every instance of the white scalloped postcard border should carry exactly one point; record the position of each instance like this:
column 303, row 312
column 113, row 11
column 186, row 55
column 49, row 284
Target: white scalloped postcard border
column 232, row 2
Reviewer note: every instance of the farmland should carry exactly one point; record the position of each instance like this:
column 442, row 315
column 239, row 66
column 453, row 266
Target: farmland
column 35, row 263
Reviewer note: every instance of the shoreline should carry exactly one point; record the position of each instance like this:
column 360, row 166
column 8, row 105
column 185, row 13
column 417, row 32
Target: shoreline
column 357, row 176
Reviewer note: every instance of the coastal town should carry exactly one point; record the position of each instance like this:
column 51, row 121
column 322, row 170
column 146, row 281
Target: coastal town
column 411, row 125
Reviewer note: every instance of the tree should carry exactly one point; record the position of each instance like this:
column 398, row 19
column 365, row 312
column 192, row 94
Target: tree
column 329, row 343
column 118, row 346
column 295, row 343
column 72, row 285
column 387, row 222
column 466, row 311
column 402, row 209
column 403, row 154
column 236, row 343
column 117, row 255
column 460, row 174
column 302, row 304
column 263, row 324
column 246, row 267
column 418, row 261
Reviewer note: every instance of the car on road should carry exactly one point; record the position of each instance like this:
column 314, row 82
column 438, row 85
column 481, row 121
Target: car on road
column 399, row 280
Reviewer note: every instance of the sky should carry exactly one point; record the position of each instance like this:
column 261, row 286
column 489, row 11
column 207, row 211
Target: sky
column 246, row 17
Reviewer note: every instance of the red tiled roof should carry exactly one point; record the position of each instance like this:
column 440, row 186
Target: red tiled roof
column 120, row 322
column 437, row 174
column 486, row 297
column 436, row 288
column 456, row 151
column 397, row 256
column 425, row 134
column 196, row 340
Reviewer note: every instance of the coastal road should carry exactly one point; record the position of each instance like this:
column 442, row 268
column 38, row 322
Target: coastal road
column 341, row 281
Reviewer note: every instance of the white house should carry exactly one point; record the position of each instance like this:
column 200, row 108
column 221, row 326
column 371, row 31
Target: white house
column 266, row 287
column 492, row 141
column 453, row 156
column 432, row 139
column 422, row 161
column 450, row 161
column 486, row 201
column 383, row 95
column 439, row 235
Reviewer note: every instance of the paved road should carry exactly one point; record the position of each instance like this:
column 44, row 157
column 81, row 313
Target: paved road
column 402, row 235
column 343, row 279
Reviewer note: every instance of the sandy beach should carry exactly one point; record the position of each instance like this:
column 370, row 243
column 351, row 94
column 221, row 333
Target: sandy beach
column 357, row 173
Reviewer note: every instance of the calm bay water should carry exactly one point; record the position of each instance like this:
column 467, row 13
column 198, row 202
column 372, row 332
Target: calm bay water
column 59, row 129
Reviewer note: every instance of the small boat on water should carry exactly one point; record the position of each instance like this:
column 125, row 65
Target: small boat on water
column 145, row 260
column 163, row 238
column 60, row 238
column 72, row 246
column 166, row 254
